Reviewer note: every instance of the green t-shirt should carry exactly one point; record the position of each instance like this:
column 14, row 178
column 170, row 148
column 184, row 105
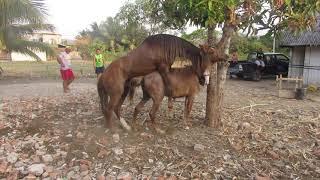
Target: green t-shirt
column 99, row 60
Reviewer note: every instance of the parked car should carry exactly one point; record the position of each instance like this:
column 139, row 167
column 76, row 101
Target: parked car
column 275, row 64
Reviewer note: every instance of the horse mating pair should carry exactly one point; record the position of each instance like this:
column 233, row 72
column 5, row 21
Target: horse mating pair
column 156, row 53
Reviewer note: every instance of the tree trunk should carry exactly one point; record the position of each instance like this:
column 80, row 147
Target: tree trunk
column 218, row 73
column 212, row 82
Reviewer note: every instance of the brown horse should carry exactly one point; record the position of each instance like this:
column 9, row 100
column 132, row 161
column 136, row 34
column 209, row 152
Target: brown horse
column 184, row 82
column 156, row 53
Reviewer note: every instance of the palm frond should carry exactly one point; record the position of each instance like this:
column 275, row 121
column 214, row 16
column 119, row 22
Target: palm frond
column 29, row 47
column 19, row 18
column 22, row 11
column 27, row 29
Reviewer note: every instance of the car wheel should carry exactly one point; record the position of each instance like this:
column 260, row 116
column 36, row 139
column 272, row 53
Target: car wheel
column 256, row 76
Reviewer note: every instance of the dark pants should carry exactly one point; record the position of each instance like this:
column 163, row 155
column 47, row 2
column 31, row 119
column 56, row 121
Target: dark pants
column 99, row 70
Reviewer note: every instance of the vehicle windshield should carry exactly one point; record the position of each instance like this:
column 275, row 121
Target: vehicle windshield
column 252, row 56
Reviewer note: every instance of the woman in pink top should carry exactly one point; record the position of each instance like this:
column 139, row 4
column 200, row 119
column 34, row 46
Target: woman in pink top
column 65, row 69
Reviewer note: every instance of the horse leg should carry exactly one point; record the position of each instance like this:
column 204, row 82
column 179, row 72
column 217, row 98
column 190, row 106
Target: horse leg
column 152, row 114
column 138, row 109
column 187, row 109
column 123, row 97
column 114, row 100
column 169, row 113
column 170, row 103
column 164, row 71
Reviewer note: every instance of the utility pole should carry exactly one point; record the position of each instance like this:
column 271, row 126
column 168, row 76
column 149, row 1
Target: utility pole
column 274, row 43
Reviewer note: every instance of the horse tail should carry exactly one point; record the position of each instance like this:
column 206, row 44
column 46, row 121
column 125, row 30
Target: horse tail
column 133, row 83
column 102, row 95
column 145, row 93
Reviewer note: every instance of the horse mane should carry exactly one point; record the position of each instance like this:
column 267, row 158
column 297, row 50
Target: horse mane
column 168, row 47
column 187, row 69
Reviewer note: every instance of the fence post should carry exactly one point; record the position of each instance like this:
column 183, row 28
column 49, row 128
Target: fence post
column 31, row 73
column 47, row 71
column 81, row 70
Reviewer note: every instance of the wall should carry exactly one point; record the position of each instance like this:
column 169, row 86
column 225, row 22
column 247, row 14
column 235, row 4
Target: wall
column 49, row 38
column 296, row 61
column 311, row 71
column 15, row 56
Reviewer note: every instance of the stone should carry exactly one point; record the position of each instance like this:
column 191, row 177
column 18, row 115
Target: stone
column 63, row 154
column 199, row 147
column 273, row 155
column 117, row 151
column 124, row 176
column 86, row 162
column 257, row 177
column 80, row 135
column 30, row 177
column 12, row 157
column 76, row 177
column 53, row 175
column 45, row 174
column 84, row 167
column 116, row 138
column 70, row 174
column 147, row 172
column 101, row 177
column 33, row 116
column 219, row 170
column 3, row 167
column 40, row 153
column 47, row 158
column 103, row 153
column 110, row 177
column 227, row 157
column 84, row 173
column 36, row 169
column 19, row 164
column 316, row 152
column 87, row 177
column 36, row 159
column 49, row 169
column 85, row 155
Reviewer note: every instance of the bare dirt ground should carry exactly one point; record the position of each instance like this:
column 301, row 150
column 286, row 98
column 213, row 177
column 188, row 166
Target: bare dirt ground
column 46, row 134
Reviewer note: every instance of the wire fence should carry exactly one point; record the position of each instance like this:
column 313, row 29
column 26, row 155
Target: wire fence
column 49, row 69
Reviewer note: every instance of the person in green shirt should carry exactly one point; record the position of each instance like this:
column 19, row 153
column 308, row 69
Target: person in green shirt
column 98, row 63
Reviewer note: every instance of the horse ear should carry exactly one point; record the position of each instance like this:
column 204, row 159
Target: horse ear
column 211, row 50
column 204, row 48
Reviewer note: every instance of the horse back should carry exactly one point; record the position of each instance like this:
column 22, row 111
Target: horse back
column 184, row 83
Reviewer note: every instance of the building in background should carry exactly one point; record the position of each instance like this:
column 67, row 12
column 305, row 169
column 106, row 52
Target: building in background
column 46, row 37
column 305, row 54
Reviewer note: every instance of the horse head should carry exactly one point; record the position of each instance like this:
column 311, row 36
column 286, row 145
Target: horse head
column 209, row 56
column 212, row 55
column 204, row 78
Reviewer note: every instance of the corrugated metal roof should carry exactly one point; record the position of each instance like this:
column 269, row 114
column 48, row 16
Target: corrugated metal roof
column 310, row 38
column 307, row 38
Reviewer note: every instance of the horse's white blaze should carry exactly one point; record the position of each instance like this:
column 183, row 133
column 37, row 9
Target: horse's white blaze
column 207, row 76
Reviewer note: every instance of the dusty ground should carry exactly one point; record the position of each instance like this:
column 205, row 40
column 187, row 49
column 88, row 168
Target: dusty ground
column 48, row 134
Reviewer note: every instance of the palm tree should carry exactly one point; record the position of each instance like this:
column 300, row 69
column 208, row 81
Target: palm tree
column 19, row 18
